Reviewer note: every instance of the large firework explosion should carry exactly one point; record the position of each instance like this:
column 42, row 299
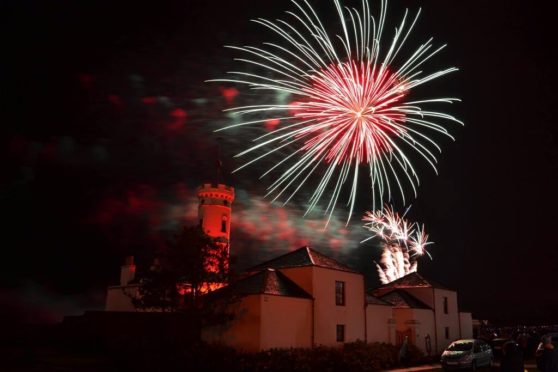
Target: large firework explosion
column 402, row 243
column 349, row 105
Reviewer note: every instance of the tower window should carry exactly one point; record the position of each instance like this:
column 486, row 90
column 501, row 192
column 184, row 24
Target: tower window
column 224, row 224
column 445, row 305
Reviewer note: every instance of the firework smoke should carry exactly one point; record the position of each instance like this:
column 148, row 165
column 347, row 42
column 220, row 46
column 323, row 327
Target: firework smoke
column 402, row 243
column 349, row 105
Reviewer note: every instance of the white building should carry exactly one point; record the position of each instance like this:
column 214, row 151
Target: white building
column 305, row 298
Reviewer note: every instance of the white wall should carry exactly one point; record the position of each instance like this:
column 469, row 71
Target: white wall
column 320, row 283
column 451, row 319
column 244, row 331
column 466, row 325
column 328, row 315
column 285, row 322
column 118, row 298
column 420, row 323
column 378, row 326
column 263, row 322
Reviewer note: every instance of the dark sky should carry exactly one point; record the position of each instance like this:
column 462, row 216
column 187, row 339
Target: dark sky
column 107, row 128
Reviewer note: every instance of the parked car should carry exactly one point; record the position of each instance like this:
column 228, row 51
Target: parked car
column 467, row 354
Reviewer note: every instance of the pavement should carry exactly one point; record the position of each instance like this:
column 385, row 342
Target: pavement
column 437, row 366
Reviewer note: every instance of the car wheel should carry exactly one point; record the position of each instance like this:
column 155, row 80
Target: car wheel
column 473, row 366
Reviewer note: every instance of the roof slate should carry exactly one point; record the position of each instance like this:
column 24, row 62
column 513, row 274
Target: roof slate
column 268, row 281
column 401, row 299
column 373, row 300
column 412, row 280
column 301, row 257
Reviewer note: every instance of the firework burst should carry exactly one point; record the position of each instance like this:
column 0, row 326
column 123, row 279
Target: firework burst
column 353, row 105
column 402, row 243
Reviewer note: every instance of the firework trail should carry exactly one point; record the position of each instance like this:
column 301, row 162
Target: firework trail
column 350, row 105
column 402, row 243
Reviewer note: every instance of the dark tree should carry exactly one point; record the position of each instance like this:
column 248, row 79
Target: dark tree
column 182, row 273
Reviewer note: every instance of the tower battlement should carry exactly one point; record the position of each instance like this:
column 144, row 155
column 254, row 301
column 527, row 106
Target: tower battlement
column 212, row 191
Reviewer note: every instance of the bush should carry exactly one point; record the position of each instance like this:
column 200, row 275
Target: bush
column 356, row 356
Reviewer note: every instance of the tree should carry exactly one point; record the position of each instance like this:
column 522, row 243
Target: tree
column 191, row 265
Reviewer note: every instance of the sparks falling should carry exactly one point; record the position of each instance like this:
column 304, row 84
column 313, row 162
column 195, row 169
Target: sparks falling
column 350, row 105
column 402, row 243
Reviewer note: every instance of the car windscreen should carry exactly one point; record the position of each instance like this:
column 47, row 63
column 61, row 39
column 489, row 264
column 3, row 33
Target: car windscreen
column 461, row 346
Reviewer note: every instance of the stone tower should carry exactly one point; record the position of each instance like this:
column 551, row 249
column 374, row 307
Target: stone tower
column 214, row 213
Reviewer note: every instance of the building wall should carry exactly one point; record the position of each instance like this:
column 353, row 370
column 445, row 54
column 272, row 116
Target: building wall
column 451, row 319
column 418, row 324
column 379, row 327
column 118, row 298
column 302, row 276
column 285, row 322
column 466, row 325
column 244, row 331
column 328, row 315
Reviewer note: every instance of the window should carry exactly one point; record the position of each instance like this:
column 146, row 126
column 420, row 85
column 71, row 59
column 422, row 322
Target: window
column 340, row 333
column 224, row 224
column 445, row 305
column 339, row 293
column 447, row 332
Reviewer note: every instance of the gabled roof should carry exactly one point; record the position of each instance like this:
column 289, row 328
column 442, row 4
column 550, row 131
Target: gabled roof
column 301, row 257
column 412, row 280
column 403, row 300
column 268, row 281
column 373, row 300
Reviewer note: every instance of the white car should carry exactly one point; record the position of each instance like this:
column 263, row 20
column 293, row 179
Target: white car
column 467, row 354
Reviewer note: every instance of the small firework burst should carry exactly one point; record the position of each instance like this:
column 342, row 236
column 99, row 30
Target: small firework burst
column 402, row 243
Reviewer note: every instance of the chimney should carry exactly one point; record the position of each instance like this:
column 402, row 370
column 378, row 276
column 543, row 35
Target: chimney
column 127, row 271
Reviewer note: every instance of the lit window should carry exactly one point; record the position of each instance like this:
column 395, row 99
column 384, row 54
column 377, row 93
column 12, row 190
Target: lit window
column 445, row 305
column 339, row 293
column 340, row 333
column 447, row 332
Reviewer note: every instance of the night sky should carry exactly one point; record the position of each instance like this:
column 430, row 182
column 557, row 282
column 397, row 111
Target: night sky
column 107, row 129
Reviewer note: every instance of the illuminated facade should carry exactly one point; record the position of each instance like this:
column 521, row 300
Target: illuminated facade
column 305, row 298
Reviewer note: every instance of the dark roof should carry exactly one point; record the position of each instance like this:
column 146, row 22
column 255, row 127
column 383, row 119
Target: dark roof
column 412, row 280
column 266, row 281
column 301, row 257
column 402, row 299
column 373, row 300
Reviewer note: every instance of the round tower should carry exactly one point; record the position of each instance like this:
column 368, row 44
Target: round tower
column 214, row 210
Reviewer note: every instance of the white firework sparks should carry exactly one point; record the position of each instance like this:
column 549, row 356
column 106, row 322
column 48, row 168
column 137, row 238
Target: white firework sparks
column 402, row 243
column 352, row 105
